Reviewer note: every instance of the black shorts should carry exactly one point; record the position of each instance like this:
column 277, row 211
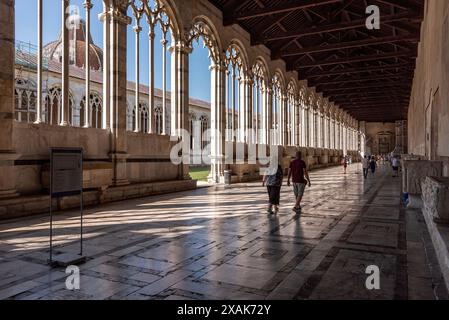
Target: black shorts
column 395, row 168
column 274, row 194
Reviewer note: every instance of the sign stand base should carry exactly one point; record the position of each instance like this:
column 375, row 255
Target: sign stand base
column 67, row 259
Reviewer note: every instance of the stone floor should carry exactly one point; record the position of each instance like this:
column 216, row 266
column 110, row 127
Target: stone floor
column 217, row 243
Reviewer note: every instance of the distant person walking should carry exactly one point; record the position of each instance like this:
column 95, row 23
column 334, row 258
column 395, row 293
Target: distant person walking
column 300, row 177
column 395, row 166
column 373, row 165
column 273, row 180
column 344, row 162
column 366, row 166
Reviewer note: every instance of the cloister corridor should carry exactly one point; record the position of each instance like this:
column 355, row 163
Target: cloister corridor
column 143, row 144
column 219, row 243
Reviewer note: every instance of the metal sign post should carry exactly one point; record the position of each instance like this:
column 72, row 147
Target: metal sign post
column 66, row 179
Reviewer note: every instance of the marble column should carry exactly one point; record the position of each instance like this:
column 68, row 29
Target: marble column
column 218, row 123
column 307, row 128
column 268, row 119
column 151, row 71
column 117, row 50
column 87, row 114
column 164, row 43
column 106, row 109
column 39, row 61
column 197, row 141
column 137, row 29
column 322, row 131
column 297, row 125
column 304, row 126
column 285, row 121
column 180, row 101
column 7, row 153
column 64, row 110
column 247, row 110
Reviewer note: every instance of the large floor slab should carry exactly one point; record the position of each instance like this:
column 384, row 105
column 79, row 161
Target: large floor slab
column 219, row 243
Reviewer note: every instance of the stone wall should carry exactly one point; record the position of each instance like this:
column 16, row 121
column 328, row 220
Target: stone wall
column 428, row 116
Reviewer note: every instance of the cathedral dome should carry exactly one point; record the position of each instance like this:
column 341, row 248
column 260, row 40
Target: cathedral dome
column 77, row 47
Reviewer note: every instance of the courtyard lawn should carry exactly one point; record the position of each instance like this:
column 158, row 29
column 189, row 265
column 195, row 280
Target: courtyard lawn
column 199, row 173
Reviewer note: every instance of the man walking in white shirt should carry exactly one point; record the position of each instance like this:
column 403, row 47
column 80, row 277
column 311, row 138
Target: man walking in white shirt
column 395, row 165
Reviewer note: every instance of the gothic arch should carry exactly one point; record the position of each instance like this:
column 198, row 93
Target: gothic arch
column 238, row 46
column 292, row 87
column 280, row 76
column 261, row 63
column 303, row 95
column 171, row 11
column 53, row 104
column 156, row 12
column 203, row 28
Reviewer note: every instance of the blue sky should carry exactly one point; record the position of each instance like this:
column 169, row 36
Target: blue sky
column 26, row 30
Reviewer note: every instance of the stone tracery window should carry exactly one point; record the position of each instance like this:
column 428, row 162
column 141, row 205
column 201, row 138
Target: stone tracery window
column 151, row 16
column 53, row 106
column 130, row 117
column 202, row 34
column 159, row 119
column 25, row 100
column 144, row 117
column 204, row 121
column 94, row 111
column 192, row 119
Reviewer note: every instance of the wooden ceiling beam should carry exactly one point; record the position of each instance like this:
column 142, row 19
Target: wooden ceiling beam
column 397, row 76
column 377, row 57
column 362, row 86
column 351, row 44
column 281, row 8
column 403, row 4
column 408, row 66
column 361, row 23
column 346, row 96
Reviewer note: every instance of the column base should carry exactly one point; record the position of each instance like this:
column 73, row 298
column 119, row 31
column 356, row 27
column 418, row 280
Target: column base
column 119, row 163
column 8, row 175
column 7, row 194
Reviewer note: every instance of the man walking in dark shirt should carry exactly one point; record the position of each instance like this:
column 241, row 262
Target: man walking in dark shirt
column 298, row 171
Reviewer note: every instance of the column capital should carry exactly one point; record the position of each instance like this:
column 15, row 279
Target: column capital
column 151, row 34
column 88, row 4
column 247, row 80
column 218, row 67
column 116, row 15
column 137, row 29
column 180, row 46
